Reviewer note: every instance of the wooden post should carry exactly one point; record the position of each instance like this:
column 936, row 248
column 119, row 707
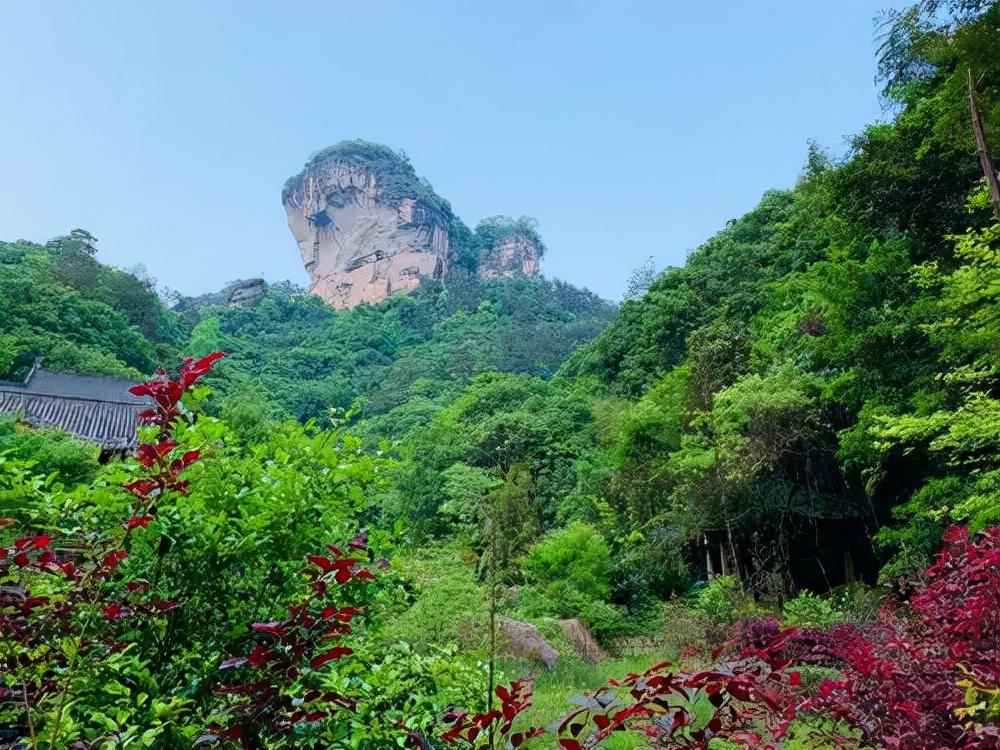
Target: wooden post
column 990, row 172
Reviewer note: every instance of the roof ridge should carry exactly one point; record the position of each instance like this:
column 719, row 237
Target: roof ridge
column 22, row 390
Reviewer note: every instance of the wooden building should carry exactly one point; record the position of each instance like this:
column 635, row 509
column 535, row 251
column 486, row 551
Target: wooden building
column 99, row 409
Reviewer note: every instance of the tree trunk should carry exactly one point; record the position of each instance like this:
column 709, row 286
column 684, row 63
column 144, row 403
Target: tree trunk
column 990, row 172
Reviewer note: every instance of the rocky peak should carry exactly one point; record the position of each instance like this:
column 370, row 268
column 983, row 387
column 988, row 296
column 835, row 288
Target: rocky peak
column 510, row 257
column 367, row 227
column 509, row 247
column 239, row 293
column 245, row 293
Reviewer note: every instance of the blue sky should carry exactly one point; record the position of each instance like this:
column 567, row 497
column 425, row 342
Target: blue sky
column 628, row 129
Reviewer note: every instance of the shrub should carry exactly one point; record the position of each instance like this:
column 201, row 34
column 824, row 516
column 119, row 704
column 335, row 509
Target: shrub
column 810, row 611
column 858, row 602
column 926, row 676
column 578, row 555
column 607, row 622
column 721, row 599
column 557, row 599
column 682, row 629
column 68, row 604
column 446, row 603
column 73, row 460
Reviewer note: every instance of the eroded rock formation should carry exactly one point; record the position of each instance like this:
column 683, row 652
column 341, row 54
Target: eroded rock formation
column 361, row 237
column 368, row 227
column 245, row 293
column 513, row 255
column 240, row 293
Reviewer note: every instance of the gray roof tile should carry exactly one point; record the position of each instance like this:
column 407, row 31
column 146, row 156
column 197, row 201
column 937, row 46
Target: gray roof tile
column 94, row 408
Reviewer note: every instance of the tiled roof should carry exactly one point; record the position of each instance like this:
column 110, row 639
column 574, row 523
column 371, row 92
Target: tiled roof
column 93, row 408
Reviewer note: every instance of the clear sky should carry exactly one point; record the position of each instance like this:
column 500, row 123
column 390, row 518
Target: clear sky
column 628, row 129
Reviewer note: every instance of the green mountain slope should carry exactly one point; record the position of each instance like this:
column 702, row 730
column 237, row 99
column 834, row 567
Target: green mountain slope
column 57, row 301
column 305, row 359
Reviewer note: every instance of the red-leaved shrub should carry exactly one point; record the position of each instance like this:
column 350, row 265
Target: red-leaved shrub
column 48, row 635
column 906, row 680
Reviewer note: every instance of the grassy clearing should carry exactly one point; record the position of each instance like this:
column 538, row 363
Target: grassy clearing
column 573, row 676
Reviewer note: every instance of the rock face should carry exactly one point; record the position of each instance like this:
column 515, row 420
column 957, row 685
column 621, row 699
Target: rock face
column 245, row 293
column 365, row 225
column 582, row 640
column 510, row 256
column 240, row 293
column 368, row 227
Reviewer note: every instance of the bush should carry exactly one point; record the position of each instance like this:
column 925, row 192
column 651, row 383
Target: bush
column 578, row 555
column 810, row 611
column 721, row 599
column 857, row 602
column 447, row 604
column 73, row 460
column 682, row 629
column 607, row 622
column 558, row 599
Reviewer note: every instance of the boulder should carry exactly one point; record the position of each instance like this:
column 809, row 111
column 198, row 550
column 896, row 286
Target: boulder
column 523, row 639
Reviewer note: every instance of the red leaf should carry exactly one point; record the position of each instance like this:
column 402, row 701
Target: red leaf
column 141, row 487
column 164, row 606
column 324, row 564
column 360, row 542
column 31, row 602
column 334, row 653
column 114, row 611
column 136, row 522
column 113, row 559
column 192, row 369
column 259, row 656
column 270, row 628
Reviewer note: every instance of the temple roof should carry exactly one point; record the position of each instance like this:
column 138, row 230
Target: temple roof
column 94, row 408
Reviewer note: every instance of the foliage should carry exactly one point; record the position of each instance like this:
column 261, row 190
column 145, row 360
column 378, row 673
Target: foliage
column 401, row 361
column 953, row 418
column 493, row 230
column 47, row 451
column 577, row 556
column 721, row 599
column 59, row 302
column 929, row 681
column 286, row 694
column 67, row 608
column 807, row 610
column 444, row 604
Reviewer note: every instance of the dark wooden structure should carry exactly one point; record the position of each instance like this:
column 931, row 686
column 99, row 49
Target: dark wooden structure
column 99, row 409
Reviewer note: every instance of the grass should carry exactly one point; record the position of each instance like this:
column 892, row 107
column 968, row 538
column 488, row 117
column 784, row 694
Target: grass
column 573, row 676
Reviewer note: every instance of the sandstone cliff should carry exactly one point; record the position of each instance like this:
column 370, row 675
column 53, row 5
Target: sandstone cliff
column 511, row 256
column 365, row 225
column 368, row 227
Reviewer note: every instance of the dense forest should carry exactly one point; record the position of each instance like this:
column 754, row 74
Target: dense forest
column 777, row 467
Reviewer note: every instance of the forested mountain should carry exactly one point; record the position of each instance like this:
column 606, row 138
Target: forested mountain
column 300, row 358
column 58, row 301
column 786, row 452
column 827, row 356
